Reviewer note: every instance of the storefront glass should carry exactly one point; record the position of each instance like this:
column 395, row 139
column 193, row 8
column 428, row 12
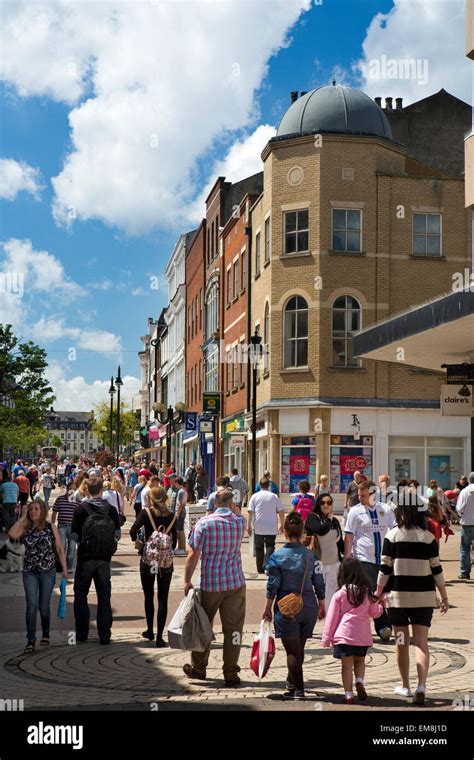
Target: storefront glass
column 347, row 456
column 425, row 459
column 298, row 462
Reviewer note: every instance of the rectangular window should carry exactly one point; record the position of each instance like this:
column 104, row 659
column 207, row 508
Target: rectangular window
column 192, row 385
column 427, row 234
column 296, row 231
column 267, row 240
column 236, row 278
column 217, row 236
column 346, row 230
column 298, row 461
column 196, row 383
column 200, row 309
column 348, row 455
column 227, row 370
column 235, row 376
column 243, row 272
column 212, row 241
column 208, row 252
column 229, row 286
column 200, row 376
column 192, row 320
column 257, row 254
column 242, row 365
column 189, row 324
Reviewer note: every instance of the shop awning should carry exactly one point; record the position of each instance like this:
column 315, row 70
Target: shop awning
column 191, row 438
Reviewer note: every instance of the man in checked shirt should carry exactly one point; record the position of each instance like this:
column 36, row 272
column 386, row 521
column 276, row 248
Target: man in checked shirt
column 216, row 539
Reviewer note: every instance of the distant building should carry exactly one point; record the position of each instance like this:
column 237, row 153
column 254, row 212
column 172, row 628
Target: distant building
column 75, row 431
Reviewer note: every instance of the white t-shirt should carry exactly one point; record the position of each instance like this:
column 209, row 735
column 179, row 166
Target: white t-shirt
column 144, row 495
column 369, row 526
column 114, row 499
column 265, row 506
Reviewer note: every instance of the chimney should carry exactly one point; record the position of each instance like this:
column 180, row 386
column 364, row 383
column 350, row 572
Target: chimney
column 399, row 102
column 294, row 96
column 303, row 92
column 388, row 103
column 379, row 102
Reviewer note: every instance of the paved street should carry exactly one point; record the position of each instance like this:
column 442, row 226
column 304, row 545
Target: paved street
column 133, row 674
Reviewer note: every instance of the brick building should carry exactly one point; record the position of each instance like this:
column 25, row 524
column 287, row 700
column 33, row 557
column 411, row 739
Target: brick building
column 351, row 228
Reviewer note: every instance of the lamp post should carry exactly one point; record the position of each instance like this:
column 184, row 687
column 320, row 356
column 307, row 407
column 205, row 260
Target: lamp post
column 255, row 341
column 173, row 418
column 111, row 394
column 118, row 383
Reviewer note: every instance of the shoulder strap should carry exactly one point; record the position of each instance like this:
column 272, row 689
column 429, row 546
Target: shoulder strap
column 171, row 523
column 150, row 517
column 305, row 572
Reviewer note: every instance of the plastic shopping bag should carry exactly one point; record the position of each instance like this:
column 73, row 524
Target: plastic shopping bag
column 252, row 545
column 190, row 628
column 263, row 650
column 62, row 599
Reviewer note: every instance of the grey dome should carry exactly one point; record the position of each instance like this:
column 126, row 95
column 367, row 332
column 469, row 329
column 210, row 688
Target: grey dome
column 335, row 108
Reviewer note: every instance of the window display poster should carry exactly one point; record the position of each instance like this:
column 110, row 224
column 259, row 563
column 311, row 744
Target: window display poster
column 343, row 482
column 440, row 470
column 402, row 469
column 295, row 481
column 299, row 464
column 345, row 460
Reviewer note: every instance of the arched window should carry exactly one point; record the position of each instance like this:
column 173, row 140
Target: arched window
column 296, row 333
column 212, row 309
column 346, row 320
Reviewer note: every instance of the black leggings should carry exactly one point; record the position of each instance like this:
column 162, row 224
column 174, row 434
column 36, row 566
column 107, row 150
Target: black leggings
column 294, row 648
column 148, row 584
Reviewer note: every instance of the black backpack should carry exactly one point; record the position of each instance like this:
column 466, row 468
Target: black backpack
column 98, row 533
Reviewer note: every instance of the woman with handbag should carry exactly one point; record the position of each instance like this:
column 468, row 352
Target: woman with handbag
column 154, row 518
column 43, row 551
column 294, row 581
column 328, row 543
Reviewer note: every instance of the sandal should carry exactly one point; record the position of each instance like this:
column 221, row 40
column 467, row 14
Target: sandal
column 29, row 649
column 44, row 641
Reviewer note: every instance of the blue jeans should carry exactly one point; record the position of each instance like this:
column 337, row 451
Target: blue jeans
column 46, row 494
column 39, row 586
column 467, row 537
column 69, row 545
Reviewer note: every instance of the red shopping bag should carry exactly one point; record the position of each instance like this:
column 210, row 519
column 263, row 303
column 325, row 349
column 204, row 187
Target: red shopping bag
column 263, row 650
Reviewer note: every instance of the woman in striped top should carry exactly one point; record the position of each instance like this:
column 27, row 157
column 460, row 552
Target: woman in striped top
column 410, row 572
column 63, row 512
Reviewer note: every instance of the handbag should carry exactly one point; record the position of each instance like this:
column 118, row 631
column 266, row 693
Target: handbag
column 291, row 605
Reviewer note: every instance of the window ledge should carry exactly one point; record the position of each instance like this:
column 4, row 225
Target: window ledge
column 242, row 291
column 235, row 298
column 266, row 263
column 346, row 253
column 227, row 393
column 430, row 257
column 293, row 370
column 242, row 385
column 300, row 254
column 266, row 374
column 346, row 368
column 227, row 305
column 257, row 275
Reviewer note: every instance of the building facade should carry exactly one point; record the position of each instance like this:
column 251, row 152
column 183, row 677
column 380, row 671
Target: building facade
column 75, row 431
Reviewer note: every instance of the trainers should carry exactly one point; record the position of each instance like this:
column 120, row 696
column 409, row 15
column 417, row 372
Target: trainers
column 348, row 701
column 464, row 577
column 180, row 553
column 419, row 698
column 385, row 634
column 189, row 671
column 361, row 692
column 403, row 691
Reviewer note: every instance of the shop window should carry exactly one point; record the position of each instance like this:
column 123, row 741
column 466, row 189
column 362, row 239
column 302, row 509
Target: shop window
column 347, row 456
column 427, row 234
column 346, row 320
column 296, row 231
column 298, row 462
column 296, row 333
column 346, row 230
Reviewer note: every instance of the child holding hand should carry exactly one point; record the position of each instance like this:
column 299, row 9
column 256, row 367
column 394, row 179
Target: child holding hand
column 347, row 625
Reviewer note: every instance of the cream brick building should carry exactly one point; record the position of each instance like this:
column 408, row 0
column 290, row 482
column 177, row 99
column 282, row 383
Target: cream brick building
column 349, row 230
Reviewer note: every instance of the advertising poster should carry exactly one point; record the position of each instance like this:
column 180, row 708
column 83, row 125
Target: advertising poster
column 439, row 469
column 299, row 465
column 295, row 481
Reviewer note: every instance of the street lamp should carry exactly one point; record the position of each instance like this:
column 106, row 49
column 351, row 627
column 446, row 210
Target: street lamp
column 118, row 383
column 255, row 341
column 173, row 418
column 111, row 394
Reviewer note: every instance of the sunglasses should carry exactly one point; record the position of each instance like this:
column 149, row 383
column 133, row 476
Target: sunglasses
column 327, row 502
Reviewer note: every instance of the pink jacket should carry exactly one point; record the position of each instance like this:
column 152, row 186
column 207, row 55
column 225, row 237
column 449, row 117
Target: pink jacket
column 346, row 624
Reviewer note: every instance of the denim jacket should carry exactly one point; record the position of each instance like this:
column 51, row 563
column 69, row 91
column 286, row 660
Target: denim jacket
column 285, row 569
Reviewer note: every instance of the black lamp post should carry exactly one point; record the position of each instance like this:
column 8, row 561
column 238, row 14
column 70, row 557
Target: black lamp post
column 255, row 341
column 172, row 419
column 118, row 383
column 111, row 394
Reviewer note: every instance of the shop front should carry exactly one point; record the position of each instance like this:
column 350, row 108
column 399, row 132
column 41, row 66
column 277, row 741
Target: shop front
column 234, row 436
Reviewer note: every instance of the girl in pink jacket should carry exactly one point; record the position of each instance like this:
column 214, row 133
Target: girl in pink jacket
column 347, row 625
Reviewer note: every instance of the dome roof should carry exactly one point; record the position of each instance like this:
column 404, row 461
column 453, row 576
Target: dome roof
column 335, row 108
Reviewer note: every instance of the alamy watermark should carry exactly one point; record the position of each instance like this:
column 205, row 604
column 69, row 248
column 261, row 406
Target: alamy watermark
column 12, row 283
column 399, row 68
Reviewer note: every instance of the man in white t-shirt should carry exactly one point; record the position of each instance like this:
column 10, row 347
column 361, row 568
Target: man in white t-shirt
column 264, row 511
column 365, row 529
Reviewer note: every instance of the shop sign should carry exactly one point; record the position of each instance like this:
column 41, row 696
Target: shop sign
column 205, row 426
column 459, row 373
column 456, row 400
column 190, row 423
column 211, row 403
column 237, row 440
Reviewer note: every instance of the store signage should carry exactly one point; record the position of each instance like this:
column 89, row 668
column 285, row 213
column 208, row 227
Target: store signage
column 234, row 426
column 460, row 373
column 237, row 440
column 191, row 422
column 153, row 433
column 456, row 400
column 205, row 426
column 136, row 435
column 211, row 403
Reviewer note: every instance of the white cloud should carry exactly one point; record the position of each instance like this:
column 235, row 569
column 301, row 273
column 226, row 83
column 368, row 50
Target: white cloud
column 42, row 271
column 18, row 176
column 101, row 285
column 76, row 394
column 430, row 33
column 242, row 160
column 101, row 341
column 164, row 80
column 140, row 291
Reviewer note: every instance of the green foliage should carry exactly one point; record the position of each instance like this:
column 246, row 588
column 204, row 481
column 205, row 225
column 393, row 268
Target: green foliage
column 22, row 367
column 129, row 422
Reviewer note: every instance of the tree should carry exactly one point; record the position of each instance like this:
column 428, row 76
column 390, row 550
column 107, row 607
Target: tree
column 25, row 394
column 129, row 422
column 56, row 441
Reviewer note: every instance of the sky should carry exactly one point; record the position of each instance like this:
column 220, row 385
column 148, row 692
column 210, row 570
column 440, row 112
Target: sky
column 116, row 118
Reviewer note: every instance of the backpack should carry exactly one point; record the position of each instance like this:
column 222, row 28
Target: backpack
column 158, row 550
column 305, row 506
column 98, row 533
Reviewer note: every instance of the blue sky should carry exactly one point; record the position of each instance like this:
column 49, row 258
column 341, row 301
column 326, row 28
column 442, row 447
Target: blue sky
column 77, row 115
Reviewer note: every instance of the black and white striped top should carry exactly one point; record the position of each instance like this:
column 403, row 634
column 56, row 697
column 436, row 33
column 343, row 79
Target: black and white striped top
column 410, row 568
